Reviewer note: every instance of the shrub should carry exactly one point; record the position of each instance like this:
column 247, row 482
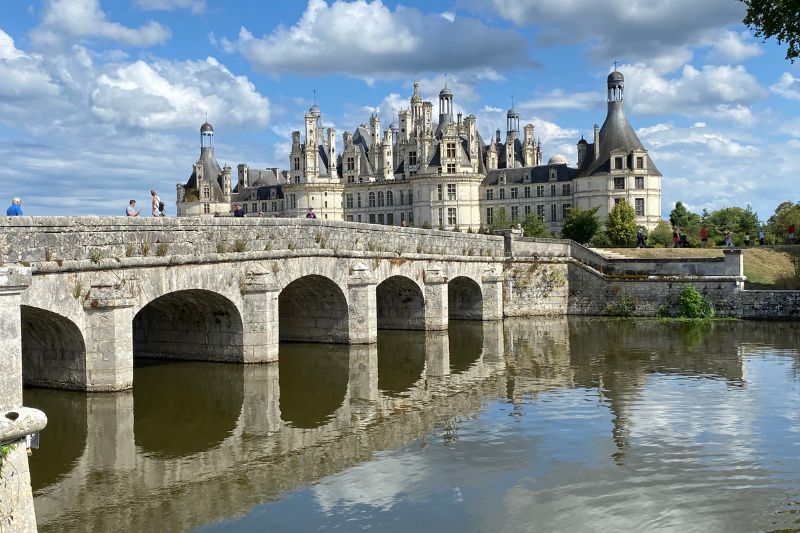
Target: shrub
column 624, row 305
column 581, row 224
column 534, row 227
column 661, row 235
column 692, row 304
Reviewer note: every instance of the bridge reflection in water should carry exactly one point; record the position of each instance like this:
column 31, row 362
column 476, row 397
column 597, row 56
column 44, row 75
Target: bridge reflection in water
column 197, row 442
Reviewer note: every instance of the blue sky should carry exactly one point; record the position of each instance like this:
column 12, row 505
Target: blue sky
column 101, row 100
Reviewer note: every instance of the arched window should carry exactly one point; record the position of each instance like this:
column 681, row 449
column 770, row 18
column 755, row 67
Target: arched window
column 380, row 198
column 389, row 198
column 372, row 199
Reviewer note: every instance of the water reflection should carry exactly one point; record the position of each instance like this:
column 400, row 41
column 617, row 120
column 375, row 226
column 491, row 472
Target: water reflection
column 62, row 444
column 313, row 382
column 401, row 360
column 188, row 395
column 569, row 424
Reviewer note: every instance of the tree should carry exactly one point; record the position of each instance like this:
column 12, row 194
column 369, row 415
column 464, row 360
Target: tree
column 534, row 227
column 779, row 19
column 500, row 220
column 581, row 224
column 682, row 217
column 738, row 220
column 786, row 213
column 621, row 224
column 661, row 234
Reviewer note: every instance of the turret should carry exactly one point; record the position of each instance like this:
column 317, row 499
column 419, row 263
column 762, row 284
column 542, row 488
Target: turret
column 388, row 161
column 226, row 182
column 242, row 174
column 416, row 104
column 512, row 124
column 330, row 147
column 491, row 156
column 529, row 147
column 312, row 118
column 445, row 107
column 471, row 131
column 581, row 150
column 206, row 138
column 375, row 129
column 596, row 141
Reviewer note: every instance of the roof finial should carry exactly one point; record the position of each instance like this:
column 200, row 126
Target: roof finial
column 206, row 116
column 315, row 96
column 615, row 64
column 512, row 101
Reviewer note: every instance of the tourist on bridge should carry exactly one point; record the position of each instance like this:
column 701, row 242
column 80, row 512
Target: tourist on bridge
column 311, row 213
column 704, row 235
column 157, row 205
column 238, row 212
column 15, row 209
column 131, row 210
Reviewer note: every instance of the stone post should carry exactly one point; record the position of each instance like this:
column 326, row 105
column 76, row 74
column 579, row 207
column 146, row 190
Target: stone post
column 437, row 354
column 261, row 405
column 492, row 285
column 436, row 301
column 260, row 296
column 362, row 307
column 16, row 498
column 734, row 265
column 109, row 338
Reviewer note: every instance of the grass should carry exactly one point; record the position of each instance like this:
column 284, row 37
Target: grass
column 762, row 265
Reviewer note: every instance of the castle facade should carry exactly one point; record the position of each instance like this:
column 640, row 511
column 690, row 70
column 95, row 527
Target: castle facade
column 439, row 174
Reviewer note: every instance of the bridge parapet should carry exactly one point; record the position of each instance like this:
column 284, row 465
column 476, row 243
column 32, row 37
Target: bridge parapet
column 105, row 241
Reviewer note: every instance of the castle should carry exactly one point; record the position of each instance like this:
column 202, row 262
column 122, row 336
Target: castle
column 439, row 174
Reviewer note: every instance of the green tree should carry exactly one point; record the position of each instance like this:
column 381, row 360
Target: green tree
column 779, row 19
column 739, row 220
column 786, row 213
column 621, row 224
column 500, row 220
column 682, row 217
column 661, row 234
column 534, row 227
column 581, row 224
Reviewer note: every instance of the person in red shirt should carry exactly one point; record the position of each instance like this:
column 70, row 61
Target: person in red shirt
column 704, row 235
column 790, row 233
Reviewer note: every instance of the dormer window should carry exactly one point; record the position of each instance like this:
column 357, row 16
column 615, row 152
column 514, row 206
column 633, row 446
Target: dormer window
column 502, row 179
column 618, row 163
column 451, row 149
column 639, row 162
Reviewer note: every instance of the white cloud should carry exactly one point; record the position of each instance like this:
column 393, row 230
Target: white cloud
column 733, row 46
column 92, row 133
column 169, row 94
column 448, row 16
column 387, row 44
column 64, row 20
column 196, row 6
column 788, row 87
column 657, row 31
column 721, row 91
column 699, row 125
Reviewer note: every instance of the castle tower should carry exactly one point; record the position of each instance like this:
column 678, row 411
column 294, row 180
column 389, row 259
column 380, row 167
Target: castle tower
column 312, row 119
column 207, row 138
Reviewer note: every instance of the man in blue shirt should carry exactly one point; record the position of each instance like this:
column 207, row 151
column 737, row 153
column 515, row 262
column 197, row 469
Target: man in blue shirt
column 16, row 208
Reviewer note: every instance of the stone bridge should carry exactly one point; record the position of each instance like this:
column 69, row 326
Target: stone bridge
column 106, row 289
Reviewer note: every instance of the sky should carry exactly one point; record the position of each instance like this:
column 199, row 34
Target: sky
column 102, row 100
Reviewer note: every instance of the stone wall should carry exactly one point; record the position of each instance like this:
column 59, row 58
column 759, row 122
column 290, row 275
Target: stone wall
column 105, row 240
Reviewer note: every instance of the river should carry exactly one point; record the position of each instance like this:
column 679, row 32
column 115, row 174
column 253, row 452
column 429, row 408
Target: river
column 561, row 424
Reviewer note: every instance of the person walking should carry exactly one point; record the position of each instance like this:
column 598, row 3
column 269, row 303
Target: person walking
column 675, row 237
column 762, row 238
column 703, row 236
column 728, row 238
column 157, row 205
column 790, row 233
column 639, row 238
column 311, row 213
column 15, row 209
column 131, row 210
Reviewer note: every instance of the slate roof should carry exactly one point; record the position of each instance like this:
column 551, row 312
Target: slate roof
column 538, row 175
column 616, row 134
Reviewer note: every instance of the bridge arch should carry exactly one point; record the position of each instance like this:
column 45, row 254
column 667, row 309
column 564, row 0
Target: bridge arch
column 193, row 324
column 464, row 299
column 401, row 304
column 313, row 308
column 53, row 350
